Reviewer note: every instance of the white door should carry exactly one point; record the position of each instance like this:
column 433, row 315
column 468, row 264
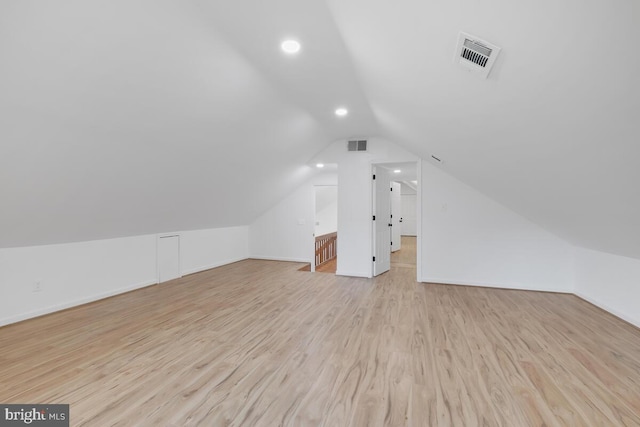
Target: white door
column 396, row 214
column 382, row 221
column 168, row 258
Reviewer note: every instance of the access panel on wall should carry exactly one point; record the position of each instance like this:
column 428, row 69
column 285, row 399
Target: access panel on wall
column 168, row 258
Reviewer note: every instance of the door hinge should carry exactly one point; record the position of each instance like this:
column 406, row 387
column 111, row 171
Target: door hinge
column 374, row 217
column 374, row 176
column 374, row 259
column 391, row 188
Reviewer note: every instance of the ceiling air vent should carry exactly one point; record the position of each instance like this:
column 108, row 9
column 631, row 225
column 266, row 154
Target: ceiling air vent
column 355, row 145
column 476, row 55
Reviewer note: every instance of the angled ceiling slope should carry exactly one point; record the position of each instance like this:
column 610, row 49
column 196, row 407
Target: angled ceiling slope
column 551, row 133
column 133, row 117
column 123, row 118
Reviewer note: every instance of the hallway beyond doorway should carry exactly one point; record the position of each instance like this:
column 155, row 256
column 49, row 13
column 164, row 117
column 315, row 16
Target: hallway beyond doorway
column 405, row 257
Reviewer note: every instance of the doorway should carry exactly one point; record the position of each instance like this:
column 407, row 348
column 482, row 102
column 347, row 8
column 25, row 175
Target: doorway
column 395, row 192
column 326, row 228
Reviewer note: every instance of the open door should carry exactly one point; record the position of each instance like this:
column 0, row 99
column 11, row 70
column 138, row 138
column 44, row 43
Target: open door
column 396, row 214
column 381, row 220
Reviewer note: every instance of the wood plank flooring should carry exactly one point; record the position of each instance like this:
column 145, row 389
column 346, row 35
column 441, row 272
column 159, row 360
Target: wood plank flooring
column 261, row 343
column 405, row 257
column 328, row 267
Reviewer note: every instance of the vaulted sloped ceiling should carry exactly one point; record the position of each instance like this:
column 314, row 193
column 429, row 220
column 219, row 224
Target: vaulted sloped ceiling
column 131, row 117
column 552, row 133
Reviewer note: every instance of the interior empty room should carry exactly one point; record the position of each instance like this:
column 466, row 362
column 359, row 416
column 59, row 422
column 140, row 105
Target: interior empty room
column 319, row 213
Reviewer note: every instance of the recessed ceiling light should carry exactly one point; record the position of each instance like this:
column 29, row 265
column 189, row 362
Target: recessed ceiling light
column 341, row 112
column 397, row 171
column 320, row 165
column 290, row 46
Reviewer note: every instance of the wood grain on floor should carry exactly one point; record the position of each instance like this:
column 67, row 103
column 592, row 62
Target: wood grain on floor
column 261, row 343
column 328, row 267
column 406, row 256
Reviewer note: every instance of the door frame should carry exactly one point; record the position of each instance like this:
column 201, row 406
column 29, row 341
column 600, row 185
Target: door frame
column 374, row 223
column 315, row 218
column 419, row 197
column 164, row 236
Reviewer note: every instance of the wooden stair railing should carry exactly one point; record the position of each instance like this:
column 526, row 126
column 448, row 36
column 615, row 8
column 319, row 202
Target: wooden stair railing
column 326, row 248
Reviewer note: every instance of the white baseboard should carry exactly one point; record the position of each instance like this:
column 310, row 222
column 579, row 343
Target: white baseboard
column 74, row 303
column 605, row 307
column 272, row 258
column 210, row 266
column 353, row 274
column 491, row 285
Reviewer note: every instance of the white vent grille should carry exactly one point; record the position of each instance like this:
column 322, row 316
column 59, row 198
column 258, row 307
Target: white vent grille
column 475, row 52
column 357, row 145
column 476, row 55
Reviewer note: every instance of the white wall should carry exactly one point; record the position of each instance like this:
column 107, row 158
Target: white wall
column 72, row 274
column 409, row 219
column 326, row 215
column 354, row 217
column 77, row 273
column 204, row 249
column 609, row 281
column 355, row 244
column 285, row 232
column 470, row 239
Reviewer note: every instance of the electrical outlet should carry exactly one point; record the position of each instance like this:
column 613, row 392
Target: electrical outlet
column 37, row 286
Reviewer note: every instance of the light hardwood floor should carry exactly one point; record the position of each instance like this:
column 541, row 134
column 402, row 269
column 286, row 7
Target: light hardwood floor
column 406, row 256
column 327, row 267
column 261, row 343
